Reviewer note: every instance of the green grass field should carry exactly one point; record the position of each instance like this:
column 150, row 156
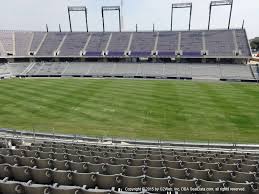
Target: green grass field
column 133, row 109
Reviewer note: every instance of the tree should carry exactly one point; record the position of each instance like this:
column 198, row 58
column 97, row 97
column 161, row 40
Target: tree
column 254, row 43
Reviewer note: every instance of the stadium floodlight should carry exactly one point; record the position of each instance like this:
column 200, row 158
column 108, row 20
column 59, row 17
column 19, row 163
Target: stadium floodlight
column 181, row 5
column 77, row 8
column 111, row 8
column 221, row 3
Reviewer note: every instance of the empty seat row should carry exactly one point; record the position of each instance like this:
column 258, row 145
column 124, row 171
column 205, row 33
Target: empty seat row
column 80, row 183
column 15, row 187
column 20, row 160
column 123, row 153
column 211, row 159
column 233, row 165
column 149, row 150
column 108, row 169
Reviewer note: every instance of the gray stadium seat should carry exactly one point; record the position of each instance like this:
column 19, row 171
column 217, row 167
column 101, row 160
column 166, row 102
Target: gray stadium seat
column 186, row 158
column 198, row 174
column 154, row 157
column 173, row 164
column 12, row 160
column 154, row 163
column 203, row 159
column 95, row 167
column 242, row 177
column 17, row 152
column 227, row 167
column 11, row 187
column 170, row 158
column 47, row 149
column 215, row 186
column 26, row 161
column 60, row 156
column 219, row 175
column 5, row 171
column 134, row 170
column 61, row 165
column 46, row 155
column 176, row 173
column 41, row 176
column 29, row 153
column 64, row 190
column 114, row 169
column 131, row 182
column 44, row 163
column 20, row 173
column 218, row 160
column 213, row 166
column 62, row 177
column 247, row 168
column 36, row 189
column 233, row 161
column 157, row 183
column 179, row 184
column 107, row 181
column 156, row 172
column 136, row 162
column 87, row 179
column 97, row 191
column 192, row 165
column 250, row 162
column 244, row 188
column 80, row 167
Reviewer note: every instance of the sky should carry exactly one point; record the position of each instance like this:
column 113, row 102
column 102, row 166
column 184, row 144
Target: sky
column 35, row 14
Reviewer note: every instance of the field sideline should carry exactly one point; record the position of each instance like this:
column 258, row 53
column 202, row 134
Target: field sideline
column 134, row 109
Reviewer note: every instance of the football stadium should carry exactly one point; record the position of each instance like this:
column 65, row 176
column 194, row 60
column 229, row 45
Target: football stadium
column 121, row 112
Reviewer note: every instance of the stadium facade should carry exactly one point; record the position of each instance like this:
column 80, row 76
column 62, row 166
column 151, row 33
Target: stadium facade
column 209, row 54
column 181, row 46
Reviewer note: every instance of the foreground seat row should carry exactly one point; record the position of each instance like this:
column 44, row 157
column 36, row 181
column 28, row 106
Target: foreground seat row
column 31, row 156
column 25, row 173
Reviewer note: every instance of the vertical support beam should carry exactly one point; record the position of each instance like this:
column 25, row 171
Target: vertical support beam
column 243, row 24
column 190, row 17
column 120, row 19
column 230, row 14
column 47, row 28
column 86, row 20
column 136, row 27
column 209, row 17
column 59, row 28
column 103, row 21
column 172, row 9
column 69, row 18
column 153, row 27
